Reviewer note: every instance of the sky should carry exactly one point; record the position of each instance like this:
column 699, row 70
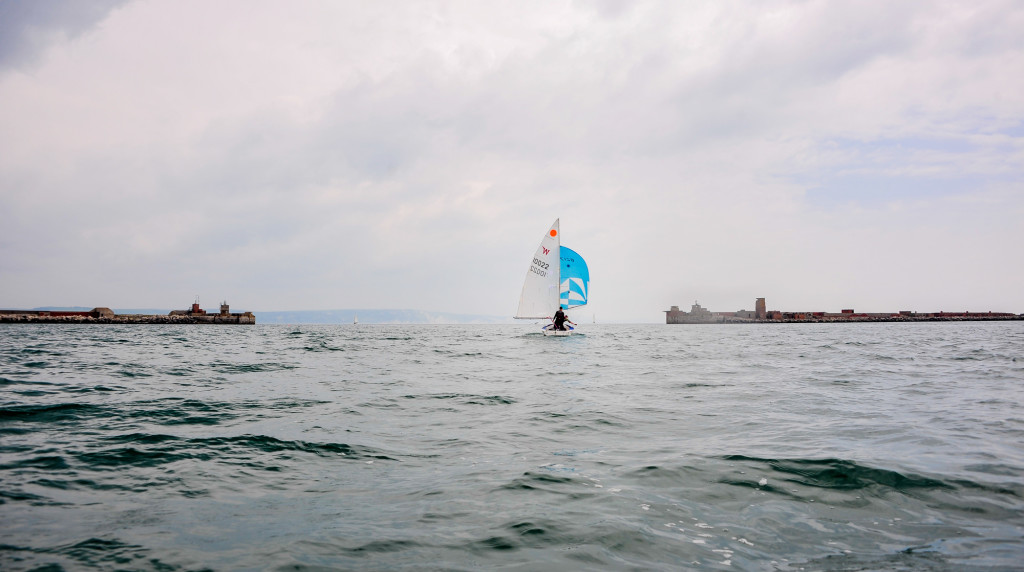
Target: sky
column 336, row 154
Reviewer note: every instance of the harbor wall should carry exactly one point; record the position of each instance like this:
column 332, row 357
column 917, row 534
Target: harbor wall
column 107, row 316
column 700, row 315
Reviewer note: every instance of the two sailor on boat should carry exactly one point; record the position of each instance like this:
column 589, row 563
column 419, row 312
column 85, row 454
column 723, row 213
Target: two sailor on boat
column 560, row 319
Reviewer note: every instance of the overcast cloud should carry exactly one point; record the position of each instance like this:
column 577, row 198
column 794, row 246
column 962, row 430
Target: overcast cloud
column 332, row 154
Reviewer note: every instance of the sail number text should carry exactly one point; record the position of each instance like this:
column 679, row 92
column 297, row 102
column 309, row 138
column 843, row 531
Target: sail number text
column 539, row 267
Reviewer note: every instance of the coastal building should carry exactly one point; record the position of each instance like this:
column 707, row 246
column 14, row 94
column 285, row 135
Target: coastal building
column 199, row 315
column 696, row 315
column 700, row 315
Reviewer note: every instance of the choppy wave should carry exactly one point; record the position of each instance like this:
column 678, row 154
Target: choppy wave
column 858, row 447
column 168, row 411
column 839, row 474
column 46, row 414
column 148, row 450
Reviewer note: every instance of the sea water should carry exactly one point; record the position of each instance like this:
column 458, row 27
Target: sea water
column 449, row 447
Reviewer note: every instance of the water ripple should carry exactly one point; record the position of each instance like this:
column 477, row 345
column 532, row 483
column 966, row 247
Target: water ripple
column 817, row 447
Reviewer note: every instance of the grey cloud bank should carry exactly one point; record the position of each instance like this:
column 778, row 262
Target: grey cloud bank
column 388, row 155
column 29, row 27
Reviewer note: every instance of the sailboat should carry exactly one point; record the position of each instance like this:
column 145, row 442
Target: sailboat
column 558, row 277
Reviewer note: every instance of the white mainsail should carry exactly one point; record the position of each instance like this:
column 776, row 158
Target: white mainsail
column 539, row 298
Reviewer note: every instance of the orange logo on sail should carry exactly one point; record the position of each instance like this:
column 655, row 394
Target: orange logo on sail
column 554, row 233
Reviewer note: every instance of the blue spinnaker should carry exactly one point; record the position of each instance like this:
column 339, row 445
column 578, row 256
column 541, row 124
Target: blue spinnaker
column 575, row 279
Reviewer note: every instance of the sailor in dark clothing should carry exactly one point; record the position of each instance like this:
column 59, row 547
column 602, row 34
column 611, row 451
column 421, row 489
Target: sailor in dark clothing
column 560, row 319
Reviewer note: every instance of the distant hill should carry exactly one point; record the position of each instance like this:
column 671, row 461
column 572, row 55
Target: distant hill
column 374, row 317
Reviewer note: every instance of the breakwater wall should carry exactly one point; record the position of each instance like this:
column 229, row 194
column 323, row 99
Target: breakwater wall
column 760, row 314
column 107, row 316
column 886, row 318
